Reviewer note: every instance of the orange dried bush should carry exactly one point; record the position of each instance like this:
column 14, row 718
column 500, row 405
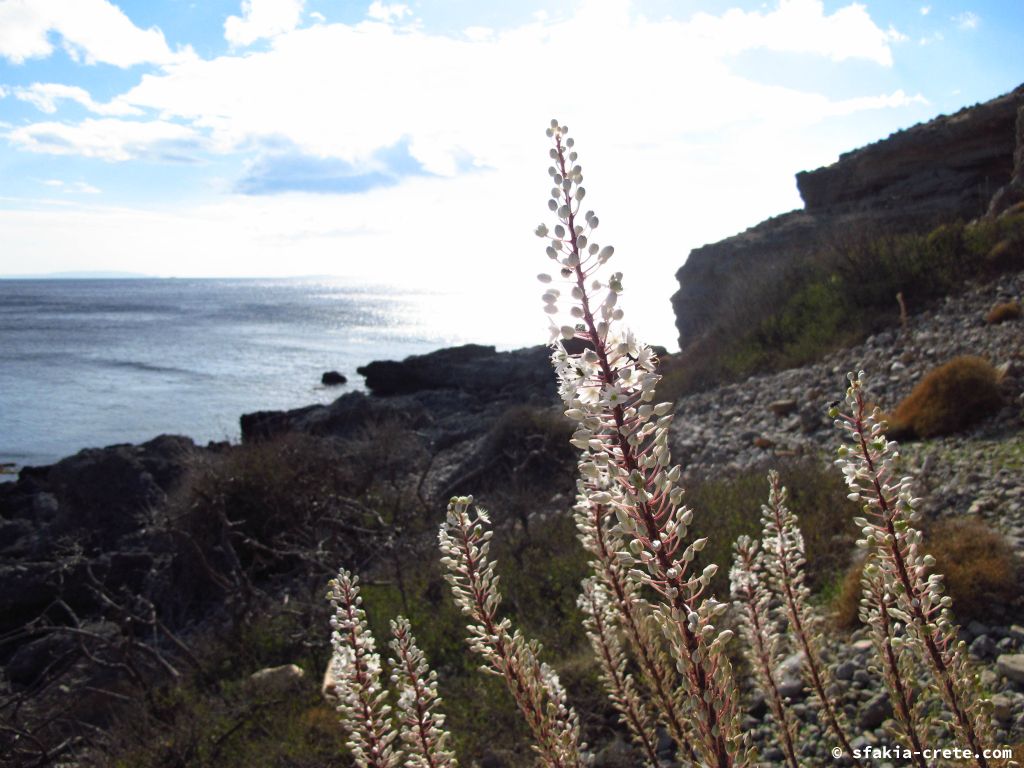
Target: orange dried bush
column 950, row 398
column 1000, row 313
column 978, row 563
column 846, row 604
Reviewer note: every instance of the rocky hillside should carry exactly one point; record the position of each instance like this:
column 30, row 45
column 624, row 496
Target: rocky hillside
column 946, row 169
column 974, row 475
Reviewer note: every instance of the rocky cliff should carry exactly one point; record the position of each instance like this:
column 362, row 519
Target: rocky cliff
column 948, row 168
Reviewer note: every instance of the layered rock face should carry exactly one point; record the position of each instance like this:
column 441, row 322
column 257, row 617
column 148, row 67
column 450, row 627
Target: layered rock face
column 945, row 169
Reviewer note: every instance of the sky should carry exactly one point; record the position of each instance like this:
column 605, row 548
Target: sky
column 403, row 143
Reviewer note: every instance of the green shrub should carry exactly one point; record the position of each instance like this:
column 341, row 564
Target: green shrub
column 215, row 717
column 728, row 505
column 948, row 399
column 843, row 294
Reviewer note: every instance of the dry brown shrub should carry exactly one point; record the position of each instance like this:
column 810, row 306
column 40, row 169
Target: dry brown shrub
column 979, row 567
column 846, row 604
column 1000, row 313
column 979, row 564
column 950, row 398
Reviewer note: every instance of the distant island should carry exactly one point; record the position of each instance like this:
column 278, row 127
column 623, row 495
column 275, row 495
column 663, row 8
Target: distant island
column 79, row 276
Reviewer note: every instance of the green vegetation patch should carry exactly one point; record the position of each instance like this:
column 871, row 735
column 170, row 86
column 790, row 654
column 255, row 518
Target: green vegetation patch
column 856, row 286
column 727, row 505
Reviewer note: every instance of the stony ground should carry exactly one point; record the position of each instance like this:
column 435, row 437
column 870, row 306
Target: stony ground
column 980, row 472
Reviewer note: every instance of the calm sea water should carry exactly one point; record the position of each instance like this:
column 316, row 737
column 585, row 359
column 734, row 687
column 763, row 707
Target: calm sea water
column 95, row 362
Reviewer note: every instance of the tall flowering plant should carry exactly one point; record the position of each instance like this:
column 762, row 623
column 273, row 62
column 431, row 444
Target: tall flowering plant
column 909, row 611
column 607, row 382
column 646, row 607
column 465, row 540
column 376, row 740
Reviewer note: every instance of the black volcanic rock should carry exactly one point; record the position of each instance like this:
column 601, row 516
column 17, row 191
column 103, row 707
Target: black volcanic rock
column 104, row 493
column 448, row 395
column 348, row 413
column 333, row 379
column 470, row 368
column 98, row 501
column 942, row 170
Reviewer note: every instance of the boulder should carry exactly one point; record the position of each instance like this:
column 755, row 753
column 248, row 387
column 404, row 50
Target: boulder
column 329, row 686
column 277, row 679
column 983, row 647
column 875, row 712
column 470, row 368
column 33, row 657
column 333, row 379
column 104, row 493
column 846, row 670
column 1002, row 708
column 783, row 407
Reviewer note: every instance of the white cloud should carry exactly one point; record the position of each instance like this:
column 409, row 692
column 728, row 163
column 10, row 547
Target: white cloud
column 800, row 26
column 925, row 10
column 669, row 133
column 3, row 92
column 262, row 19
column 934, row 37
column 894, row 35
column 387, row 12
column 73, row 187
column 967, row 20
column 93, row 31
column 478, row 34
column 893, row 100
column 44, row 96
column 459, row 98
column 111, row 139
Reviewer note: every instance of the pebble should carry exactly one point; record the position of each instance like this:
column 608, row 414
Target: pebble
column 1011, row 666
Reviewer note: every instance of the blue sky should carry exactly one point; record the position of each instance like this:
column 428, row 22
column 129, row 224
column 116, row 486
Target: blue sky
column 403, row 142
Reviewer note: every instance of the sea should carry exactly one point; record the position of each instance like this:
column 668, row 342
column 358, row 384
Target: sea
column 87, row 363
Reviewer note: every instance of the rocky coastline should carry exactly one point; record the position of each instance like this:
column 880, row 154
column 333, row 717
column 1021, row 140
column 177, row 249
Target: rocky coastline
column 121, row 550
column 93, row 513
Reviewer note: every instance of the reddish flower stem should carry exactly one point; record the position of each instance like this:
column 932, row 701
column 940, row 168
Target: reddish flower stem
column 700, row 677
